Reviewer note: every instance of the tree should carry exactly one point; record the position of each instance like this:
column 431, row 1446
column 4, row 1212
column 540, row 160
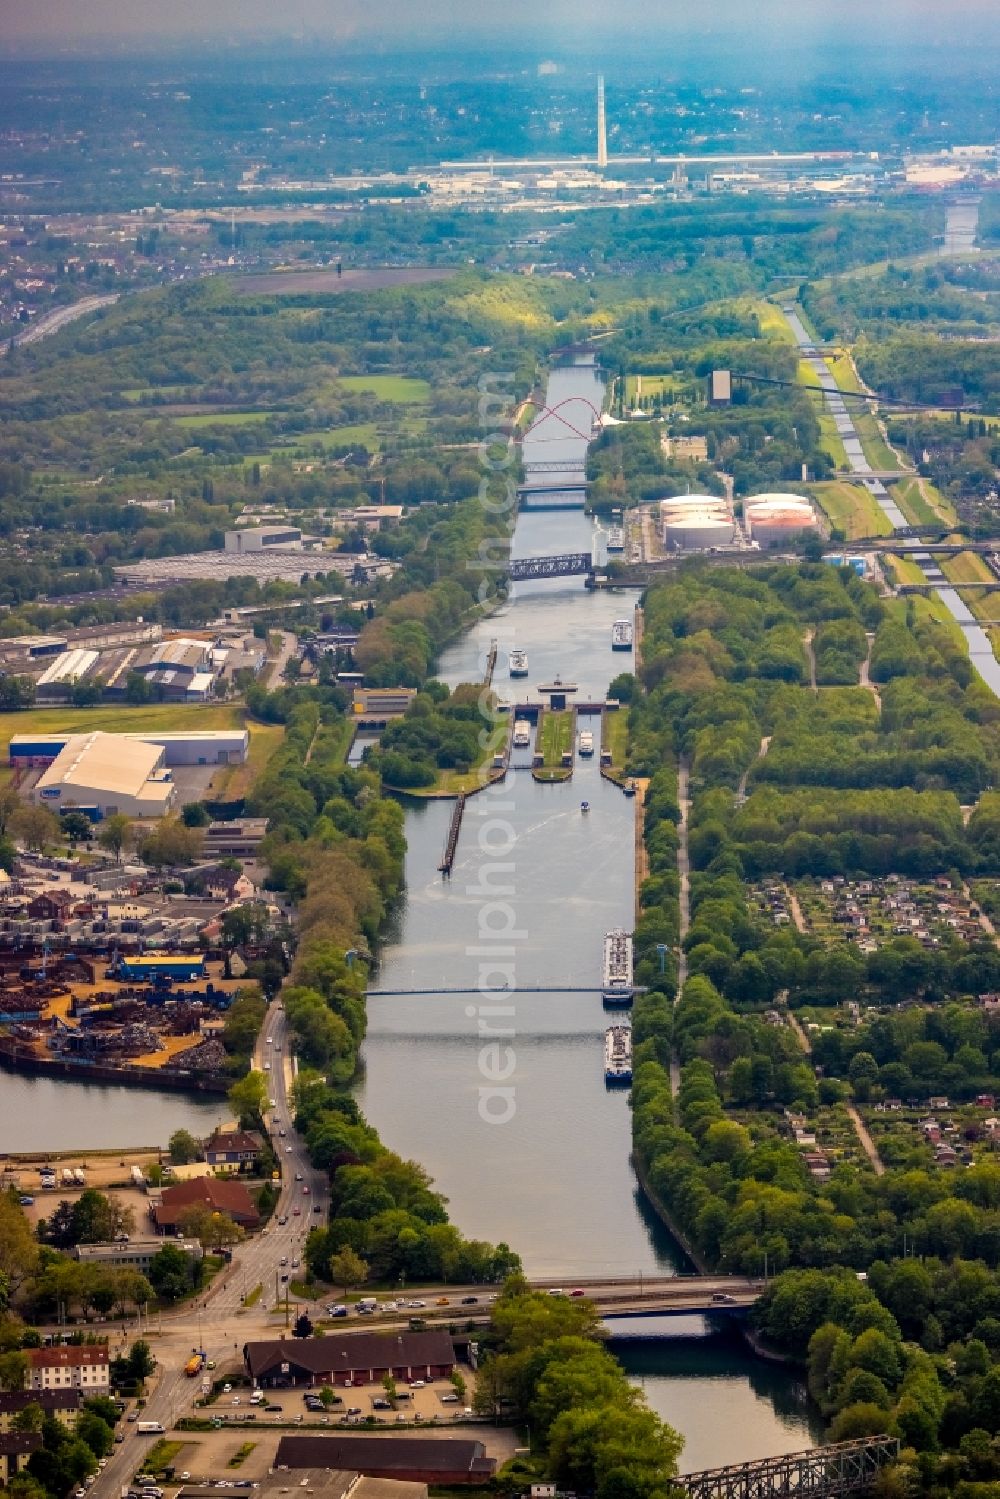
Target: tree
column 96, row 1432
column 96, row 1219
column 248, row 1098
column 303, row 1327
column 212, row 1230
column 348, row 1269
column 13, row 1370
column 114, row 833
column 172, row 1273
column 195, row 815
column 35, row 826
column 171, row 843
column 183, row 1147
column 141, row 1362
column 77, row 827
column 458, row 1385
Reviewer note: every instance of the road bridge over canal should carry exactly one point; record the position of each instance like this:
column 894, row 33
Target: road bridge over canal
column 818, row 1473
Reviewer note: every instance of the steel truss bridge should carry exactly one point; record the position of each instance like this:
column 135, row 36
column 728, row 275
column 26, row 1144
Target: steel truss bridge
column 568, row 565
column 819, row 1473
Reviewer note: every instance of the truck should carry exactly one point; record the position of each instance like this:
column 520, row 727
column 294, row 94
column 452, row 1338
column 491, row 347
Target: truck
column 79, row 1177
column 66, row 1177
column 193, row 1365
column 138, row 1179
column 147, row 1428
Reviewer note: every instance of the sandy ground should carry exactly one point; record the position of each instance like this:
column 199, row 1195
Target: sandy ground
column 207, row 1454
column 46, row 1202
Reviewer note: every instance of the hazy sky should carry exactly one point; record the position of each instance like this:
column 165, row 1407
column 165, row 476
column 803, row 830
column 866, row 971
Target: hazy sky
column 55, row 25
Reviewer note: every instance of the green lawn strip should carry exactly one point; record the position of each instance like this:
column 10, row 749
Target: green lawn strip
column 851, row 509
column 241, row 1454
column 903, row 569
column 222, row 419
column 614, row 736
column 160, row 1456
column 398, row 389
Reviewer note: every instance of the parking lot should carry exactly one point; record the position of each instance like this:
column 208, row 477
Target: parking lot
column 434, row 1401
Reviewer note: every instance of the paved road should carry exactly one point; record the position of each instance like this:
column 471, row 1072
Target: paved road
column 51, row 322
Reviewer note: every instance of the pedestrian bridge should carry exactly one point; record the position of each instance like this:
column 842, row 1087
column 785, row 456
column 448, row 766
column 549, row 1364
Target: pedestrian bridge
column 818, row 1473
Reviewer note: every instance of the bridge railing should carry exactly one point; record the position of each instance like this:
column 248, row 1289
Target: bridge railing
column 842, row 1468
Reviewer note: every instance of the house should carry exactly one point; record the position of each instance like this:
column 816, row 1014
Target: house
column 85, row 1368
column 15, row 1449
column 51, row 905
column 227, row 884
column 64, row 1405
column 351, row 1359
column 985, row 1101
column 233, row 1150
column 218, row 1195
column 449, row 1461
column 817, row 1164
column 940, row 1102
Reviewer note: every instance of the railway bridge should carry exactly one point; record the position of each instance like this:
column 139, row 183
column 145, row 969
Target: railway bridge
column 818, row 1473
column 566, row 565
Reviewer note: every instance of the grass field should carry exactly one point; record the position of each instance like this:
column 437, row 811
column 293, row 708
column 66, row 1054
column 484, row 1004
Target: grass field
column 401, row 390
column 614, row 736
column 553, row 740
column 222, row 419
column 231, row 780
column 652, row 385
column 851, row 509
column 967, row 567
column 921, row 502
column 929, row 606
column 903, row 570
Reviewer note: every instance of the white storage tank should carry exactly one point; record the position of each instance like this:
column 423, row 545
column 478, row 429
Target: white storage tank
column 774, row 519
column 698, row 531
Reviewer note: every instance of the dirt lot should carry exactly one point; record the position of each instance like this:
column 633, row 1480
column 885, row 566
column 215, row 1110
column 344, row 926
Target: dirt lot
column 206, row 1454
column 328, row 281
column 45, row 1202
column 103, row 1168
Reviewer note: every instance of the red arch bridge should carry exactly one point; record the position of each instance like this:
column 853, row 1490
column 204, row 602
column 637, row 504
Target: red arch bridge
column 819, row 1473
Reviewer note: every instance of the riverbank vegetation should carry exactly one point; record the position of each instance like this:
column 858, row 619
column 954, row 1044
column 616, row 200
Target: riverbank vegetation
column 591, row 1430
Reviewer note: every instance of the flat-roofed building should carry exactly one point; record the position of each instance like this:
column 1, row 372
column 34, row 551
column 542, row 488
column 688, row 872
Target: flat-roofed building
column 108, row 773
column 235, row 840
column 137, row 1254
column 259, row 538
column 422, row 1459
column 205, row 747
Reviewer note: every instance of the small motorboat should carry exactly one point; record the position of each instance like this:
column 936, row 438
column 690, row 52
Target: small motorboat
column 584, row 806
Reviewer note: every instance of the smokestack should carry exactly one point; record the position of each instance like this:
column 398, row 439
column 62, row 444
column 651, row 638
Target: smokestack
column 602, row 127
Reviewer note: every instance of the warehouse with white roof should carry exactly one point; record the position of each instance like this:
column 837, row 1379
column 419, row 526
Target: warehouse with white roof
column 108, row 773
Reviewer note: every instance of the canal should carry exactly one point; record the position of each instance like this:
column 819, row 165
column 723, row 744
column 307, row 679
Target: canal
column 542, row 1159
column 42, row 1114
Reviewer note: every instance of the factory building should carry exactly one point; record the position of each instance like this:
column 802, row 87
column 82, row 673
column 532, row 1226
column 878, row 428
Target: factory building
column 209, row 747
column 696, row 522
column 107, row 773
column 60, row 676
column 776, row 519
column 259, row 538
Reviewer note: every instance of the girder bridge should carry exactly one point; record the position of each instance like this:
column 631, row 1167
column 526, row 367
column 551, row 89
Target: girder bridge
column 568, row 565
column 819, row 1473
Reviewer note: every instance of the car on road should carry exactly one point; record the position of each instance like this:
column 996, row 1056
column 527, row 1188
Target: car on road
column 381, row 1405
column 288, row 1150
column 282, row 1133
column 449, row 1399
column 26, row 1202
column 236, row 1400
column 284, row 1260
column 298, row 1176
column 296, row 1212
column 274, row 1409
column 415, row 1305
column 295, row 1264
column 226, row 1388
column 441, row 1301
column 722, row 1298
column 470, row 1300
column 417, row 1384
column 317, row 1207
column 578, row 1292
column 305, row 1191
column 132, row 1416
column 282, row 1220
column 119, row 1437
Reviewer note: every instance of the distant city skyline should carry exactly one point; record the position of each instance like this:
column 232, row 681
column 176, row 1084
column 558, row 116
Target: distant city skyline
column 61, row 25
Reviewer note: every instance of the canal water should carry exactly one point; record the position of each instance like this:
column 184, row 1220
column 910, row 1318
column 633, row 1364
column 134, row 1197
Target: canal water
column 41, row 1114
column 729, row 1405
column 961, row 224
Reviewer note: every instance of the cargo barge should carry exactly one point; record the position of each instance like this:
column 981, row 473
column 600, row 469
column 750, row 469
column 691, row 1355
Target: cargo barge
column 618, row 1055
column 621, row 635
column 616, row 983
